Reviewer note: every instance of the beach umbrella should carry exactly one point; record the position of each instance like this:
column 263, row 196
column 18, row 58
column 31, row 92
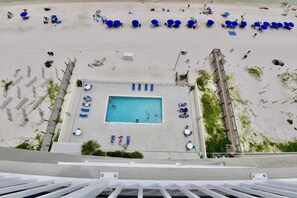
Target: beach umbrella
column 274, row 24
column 177, row 22
column 24, row 14
column 135, row 23
column 266, row 23
column 210, row 22
column 191, row 23
column 170, row 22
column 53, row 16
column 228, row 23
column 234, row 23
column 109, row 23
column 117, row 23
column 291, row 24
column 243, row 23
column 155, row 22
column 286, row 24
column 280, row 25
column 257, row 24
column 263, row 27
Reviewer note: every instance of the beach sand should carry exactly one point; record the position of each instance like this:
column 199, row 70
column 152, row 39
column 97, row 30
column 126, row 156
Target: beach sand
column 26, row 43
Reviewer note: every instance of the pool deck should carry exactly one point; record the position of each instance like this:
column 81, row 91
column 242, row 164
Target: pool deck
column 155, row 141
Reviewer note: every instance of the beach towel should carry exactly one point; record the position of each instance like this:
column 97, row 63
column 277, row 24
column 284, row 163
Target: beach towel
column 152, row 87
column 145, row 87
column 133, row 87
column 232, row 33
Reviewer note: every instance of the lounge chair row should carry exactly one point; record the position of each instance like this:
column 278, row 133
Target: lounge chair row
column 145, row 87
column 85, row 107
column 128, row 140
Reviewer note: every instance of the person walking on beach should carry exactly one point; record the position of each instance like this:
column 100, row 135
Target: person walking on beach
column 245, row 56
column 248, row 52
column 189, row 5
column 255, row 35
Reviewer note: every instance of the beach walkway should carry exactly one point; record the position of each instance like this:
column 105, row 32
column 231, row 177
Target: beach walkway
column 50, row 130
column 225, row 101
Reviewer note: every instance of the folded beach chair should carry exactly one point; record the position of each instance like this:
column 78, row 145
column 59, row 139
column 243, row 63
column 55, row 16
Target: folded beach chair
column 139, row 87
column 85, row 110
column 133, row 87
column 182, row 104
column 128, row 139
column 112, row 139
column 86, row 104
column 145, row 87
column 152, row 87
column 83, row 115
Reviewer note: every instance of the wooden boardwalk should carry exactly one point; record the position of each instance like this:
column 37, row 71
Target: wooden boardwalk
column 225, row 102
column 50, row 130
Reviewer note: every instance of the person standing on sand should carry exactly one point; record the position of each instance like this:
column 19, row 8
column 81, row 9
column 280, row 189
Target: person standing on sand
column 255, row 35
column 189, row 5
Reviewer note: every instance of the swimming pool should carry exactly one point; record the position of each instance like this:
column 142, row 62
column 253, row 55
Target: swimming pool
column 134, row 109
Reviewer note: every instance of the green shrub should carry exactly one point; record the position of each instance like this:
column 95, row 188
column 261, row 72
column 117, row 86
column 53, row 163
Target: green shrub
column 255, row 71
column 90, row 147
column 123, row 154
column 79, row 83
column 203, row 79
column 25, row 145
column 136, row 155
column 99, row 153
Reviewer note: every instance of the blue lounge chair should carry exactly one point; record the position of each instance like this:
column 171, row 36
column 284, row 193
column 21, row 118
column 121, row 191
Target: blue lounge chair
column 145, row 87
column 112, row 139
column 133, row 87
column 85, row 110
column 139, row 87
column 152, row 87
column 128, row 139
column 83, row 115
column 86, row 104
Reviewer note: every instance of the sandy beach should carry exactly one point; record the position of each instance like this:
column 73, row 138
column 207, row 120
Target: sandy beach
column 25, row 43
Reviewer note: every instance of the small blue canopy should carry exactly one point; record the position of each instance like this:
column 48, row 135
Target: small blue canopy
column 155, row 22
column 109, row 23
column 177, row 22
column 234, row 23
column 170, row 22
column 280, row 25
column 191, row 22
column 243, row 23
column 210, row 22
column 135, row 23
column 263, row 27
column 226, row 14
column 257, row 24
column 23, row 14
column 274, row 24
column 291, row 24
column 53, row 16
column 227, row 22
column 117, row 23
column 266, row 23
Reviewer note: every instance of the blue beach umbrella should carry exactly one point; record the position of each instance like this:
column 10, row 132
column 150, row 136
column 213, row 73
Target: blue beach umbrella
column 228, row 23
column 135, row 23
column 234, row 23
column 291, row 24
column 210, row 22
column 266, row 23
column 170, row 22
column 109, row 23
column 274, row 24
column 257, row 24
column 117, row 23
column 177, row 22
column 155, row 22
column 263, row 27
column 280, row 25
column 243, row 23
column 24, row 14
column 191, row 23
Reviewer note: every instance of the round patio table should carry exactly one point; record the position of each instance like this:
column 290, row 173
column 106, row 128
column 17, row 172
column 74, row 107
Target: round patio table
column 78, row 132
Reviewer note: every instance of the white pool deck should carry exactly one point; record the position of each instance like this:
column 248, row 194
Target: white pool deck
column 155, row 140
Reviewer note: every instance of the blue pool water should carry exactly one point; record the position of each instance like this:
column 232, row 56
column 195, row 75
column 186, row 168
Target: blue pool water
column 129, row 109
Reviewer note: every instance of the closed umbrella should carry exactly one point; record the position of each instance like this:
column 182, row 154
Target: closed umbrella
column 177, row 22
column 135, row 23
column 274, row 24
column 109, row 23
column 210, row 22
column 117, row 23
column 24, row 14
column 263, row 27
column 243, row 23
